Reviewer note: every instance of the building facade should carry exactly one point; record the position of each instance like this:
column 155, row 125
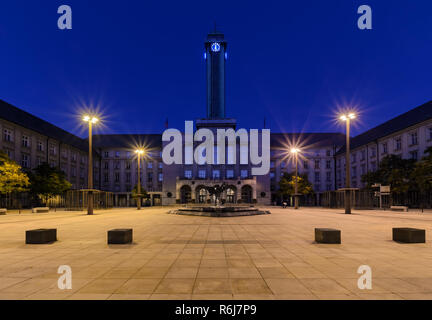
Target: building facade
column 31, row 141
column 407, row 135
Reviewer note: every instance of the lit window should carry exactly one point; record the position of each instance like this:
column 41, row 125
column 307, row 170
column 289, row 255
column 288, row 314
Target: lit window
column 230, row 174
column 216, row 174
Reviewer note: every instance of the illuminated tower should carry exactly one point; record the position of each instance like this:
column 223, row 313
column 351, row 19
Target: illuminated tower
column 215, row 56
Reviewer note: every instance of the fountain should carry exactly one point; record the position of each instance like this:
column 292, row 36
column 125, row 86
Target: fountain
column 218, row 210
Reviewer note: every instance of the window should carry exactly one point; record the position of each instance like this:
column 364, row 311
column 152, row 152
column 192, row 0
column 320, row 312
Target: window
column 73, row 172
column 128, row 177
column 282, row 164
column 373, row 152
column 363, row 155
column 201, row 174
column 354, row 158
column 230, row 174
column 317, row 177
column 7, row 135
column 328, row 164
column 414, row 140
column 64, row 153
column 317, row 164
column 106, row 177
column 272, row 164
column 117, row 165
column 160, row 166
column 150, row 165
column 25, row 161
column 160, row 177
column 128, row 154
column 106, row 154
column 128, row 165
column 117, row 154
column 106, row 165
column 354, row 172
column 244, row 174
column 363, row 169
column 82, row 159
column 117, row 177
column 305, row 165
column 82, row 173
column 384, row 148
column 328, row 176
column 339, row 163
column 329, row 187
column 216, row 174
column 73, row 156
column 25, row 141
column 398, row 144
column 328, row 152
column 414, row 155
column 40, row 146
column 38, row 161
column 272, row 175
column 53, row 150
column 150, row 177
column 188, row 174
column 373, row 165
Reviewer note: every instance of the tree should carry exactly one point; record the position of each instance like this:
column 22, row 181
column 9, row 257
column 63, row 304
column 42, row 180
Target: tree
column 47, row 181
column 421, row 176
column 144, row 193
column 287, row 184
column 12, row 178
column 393, row 171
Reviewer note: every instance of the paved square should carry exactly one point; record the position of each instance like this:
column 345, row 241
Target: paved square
column 184, row 257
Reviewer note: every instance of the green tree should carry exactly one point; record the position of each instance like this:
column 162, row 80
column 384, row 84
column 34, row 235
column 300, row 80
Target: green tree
column 393, row 171
column 421, row 176
column 47, row 182
column 287, row 184
column 12, row 178
column 144, row 193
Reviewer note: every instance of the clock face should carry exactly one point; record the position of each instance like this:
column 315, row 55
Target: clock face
column 215, row 47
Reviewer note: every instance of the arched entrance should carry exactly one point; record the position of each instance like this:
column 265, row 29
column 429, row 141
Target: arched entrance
column 246, row 194
column 201, row 194
column 185, row 194
column 231, row 194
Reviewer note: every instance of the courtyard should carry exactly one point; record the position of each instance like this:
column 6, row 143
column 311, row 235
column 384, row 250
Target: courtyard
column 187, row 257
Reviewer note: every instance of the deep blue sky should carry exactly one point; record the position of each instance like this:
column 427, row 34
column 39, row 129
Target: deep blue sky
column 292, row 62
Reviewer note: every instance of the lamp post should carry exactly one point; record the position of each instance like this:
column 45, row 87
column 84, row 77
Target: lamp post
column 295, row 152
column 90, row 120
column 139, row 152
column 347, row 118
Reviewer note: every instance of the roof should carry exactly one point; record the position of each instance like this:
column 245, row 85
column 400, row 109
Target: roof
column 307, row 140
column 127, row 140
column 22, row 118
column 403, row 121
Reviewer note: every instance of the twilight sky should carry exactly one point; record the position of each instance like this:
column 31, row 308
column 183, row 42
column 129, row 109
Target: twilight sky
column 293, row 62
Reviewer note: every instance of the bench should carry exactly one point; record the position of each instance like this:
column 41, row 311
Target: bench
column 399, row 208
column 40, row 209
column 3, row 211
column 325, row 235
column 41, row 236
column 409, row 235
column 120, row 236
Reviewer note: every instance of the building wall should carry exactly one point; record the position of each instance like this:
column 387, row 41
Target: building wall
column 409, row 143
column 30, row 149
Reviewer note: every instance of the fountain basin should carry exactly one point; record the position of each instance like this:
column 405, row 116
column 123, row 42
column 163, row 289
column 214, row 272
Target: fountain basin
column 219, row 211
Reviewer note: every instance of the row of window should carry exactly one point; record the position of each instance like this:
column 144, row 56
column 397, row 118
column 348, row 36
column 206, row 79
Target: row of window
column 216, row 174
column 317, row 164
column 128, row 154
column 128, row 177
column 117, row 165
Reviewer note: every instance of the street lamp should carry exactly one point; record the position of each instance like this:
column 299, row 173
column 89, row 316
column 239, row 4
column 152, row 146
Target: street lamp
column 347, row 118
column 295, row 152
column 90, row 120
column 139, row 152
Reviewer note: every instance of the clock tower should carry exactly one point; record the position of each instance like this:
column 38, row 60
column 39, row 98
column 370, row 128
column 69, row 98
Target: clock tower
column 215, row 56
